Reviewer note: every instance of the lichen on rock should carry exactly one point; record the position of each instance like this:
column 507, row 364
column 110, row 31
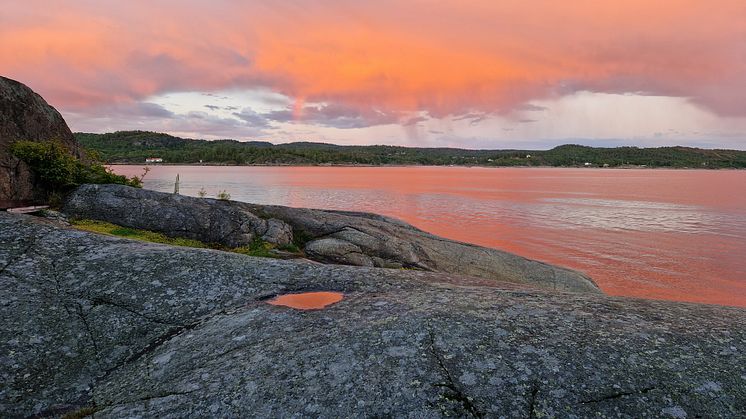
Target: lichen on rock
column 338, row 237
column 131, row 329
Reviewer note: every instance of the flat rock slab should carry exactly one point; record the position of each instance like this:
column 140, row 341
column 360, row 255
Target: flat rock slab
column 145, row 330
column 336, row 237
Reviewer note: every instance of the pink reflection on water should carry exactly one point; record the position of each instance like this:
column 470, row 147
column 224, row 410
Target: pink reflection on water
column 308, row 300
column 664, row 234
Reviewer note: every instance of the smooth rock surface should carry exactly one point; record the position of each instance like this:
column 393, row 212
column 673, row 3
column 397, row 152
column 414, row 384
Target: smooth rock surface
column 24, row 115
column 207, row 220
column 146, row 330
column 339, row 237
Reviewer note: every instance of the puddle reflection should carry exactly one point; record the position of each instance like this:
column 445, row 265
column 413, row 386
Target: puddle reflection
column 308, row 300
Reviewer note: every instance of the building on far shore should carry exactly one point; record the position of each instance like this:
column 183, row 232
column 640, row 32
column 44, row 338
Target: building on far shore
column 153, row 160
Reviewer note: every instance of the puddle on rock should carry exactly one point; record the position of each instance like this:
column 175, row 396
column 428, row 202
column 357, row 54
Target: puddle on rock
column 308, row 300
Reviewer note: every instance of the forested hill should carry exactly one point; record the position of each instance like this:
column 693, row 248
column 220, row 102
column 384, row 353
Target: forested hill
column 135, row 146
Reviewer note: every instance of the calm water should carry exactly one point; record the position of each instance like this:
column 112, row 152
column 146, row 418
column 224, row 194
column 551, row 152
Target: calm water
column 665, row 234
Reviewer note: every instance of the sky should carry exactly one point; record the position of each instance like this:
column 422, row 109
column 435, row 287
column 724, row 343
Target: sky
column 466, row 73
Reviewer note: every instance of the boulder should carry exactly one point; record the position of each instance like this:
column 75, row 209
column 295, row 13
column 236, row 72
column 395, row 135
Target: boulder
column 340, row 237
column 206, row 220
column 133, row 329
column 24, row 115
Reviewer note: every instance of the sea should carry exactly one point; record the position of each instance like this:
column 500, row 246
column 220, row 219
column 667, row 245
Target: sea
column 651, row 233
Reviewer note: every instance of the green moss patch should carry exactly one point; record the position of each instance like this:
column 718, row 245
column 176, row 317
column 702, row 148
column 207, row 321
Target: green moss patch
column 103, row 227
column 258, row 248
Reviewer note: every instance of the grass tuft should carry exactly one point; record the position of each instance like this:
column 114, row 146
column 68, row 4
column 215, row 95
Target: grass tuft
column 81, row 413
column 258, row 247
column 132, row 233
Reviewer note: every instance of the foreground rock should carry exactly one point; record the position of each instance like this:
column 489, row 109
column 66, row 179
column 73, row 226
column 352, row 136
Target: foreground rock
column 347, row 238
column 139, row 329
column 24, row 115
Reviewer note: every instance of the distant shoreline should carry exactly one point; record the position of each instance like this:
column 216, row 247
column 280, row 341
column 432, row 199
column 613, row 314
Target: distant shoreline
column 124, row 147
column 625, row 167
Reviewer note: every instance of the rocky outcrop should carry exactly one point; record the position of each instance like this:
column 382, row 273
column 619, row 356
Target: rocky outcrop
column 132, row 329
column 24, row 115
column 206, row 220
column 339, row 237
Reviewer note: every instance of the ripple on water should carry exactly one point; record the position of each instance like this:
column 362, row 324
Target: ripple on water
column 308, row 300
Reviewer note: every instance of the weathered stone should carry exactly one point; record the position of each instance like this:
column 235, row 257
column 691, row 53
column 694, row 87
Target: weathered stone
column 146, row 330
column 337, row 251
column 24, row 115
column 330, row 236
column 204, row 219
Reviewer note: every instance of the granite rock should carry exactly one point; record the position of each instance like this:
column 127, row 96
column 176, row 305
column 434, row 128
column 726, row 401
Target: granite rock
column 339, row 237
column 144, row 330
column 24, row 115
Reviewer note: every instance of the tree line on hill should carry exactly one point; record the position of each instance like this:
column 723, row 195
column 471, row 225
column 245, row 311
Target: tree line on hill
column 136, row 146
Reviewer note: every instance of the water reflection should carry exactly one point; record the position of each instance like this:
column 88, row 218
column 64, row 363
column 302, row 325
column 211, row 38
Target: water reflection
column 307, row 300
column 609, row 214
column 671, row 234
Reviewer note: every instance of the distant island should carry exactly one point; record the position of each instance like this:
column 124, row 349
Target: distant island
column 136, row 146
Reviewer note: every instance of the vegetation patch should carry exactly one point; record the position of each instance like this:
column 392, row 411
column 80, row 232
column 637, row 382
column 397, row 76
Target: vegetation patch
column 300, row 239
column 81, row 413
column 136, row 146
column 258, row 248
column 59, row 170
column 103, row 227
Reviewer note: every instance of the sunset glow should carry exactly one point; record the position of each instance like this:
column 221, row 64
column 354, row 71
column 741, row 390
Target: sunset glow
column 468, row 73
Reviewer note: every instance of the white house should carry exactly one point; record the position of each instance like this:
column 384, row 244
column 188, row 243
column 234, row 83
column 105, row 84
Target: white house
column 153, row 160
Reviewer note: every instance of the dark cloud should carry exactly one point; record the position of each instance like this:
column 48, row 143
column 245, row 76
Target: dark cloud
column 284, row 115
column 530, row 107
column 151, row 117
column 212, row 107
column 213, row 95
column 465, row 116
column 414, row 121
column 252, row 118
column 474, row 118
column 335, row 115
column 132, row 110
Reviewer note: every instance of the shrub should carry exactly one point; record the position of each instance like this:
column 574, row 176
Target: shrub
column 59, row 170
column 223, row 195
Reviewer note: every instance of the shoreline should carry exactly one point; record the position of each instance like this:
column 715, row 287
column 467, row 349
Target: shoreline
column 625, row 167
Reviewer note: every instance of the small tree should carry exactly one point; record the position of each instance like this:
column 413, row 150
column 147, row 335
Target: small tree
column 202, row 192
column 136, row 181
column 224, row 196
column 59, row 170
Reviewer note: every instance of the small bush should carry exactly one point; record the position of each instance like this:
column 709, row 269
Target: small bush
column 58, row 170
column 224, row 196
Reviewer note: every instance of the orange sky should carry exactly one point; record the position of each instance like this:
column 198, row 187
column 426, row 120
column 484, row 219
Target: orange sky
column 353, row 65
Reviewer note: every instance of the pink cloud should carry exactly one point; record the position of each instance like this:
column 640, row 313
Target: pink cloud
column 443, row 58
